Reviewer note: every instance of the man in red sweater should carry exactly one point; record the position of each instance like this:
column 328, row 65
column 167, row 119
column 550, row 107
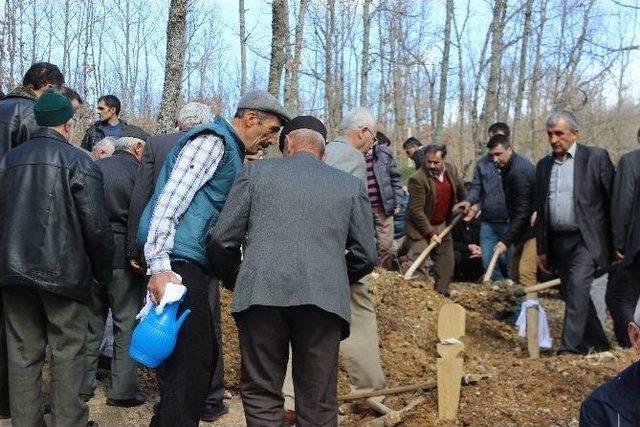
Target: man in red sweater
column 433, row 190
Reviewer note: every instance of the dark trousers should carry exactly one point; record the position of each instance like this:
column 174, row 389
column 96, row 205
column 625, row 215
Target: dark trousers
column 187, row 372
column 265, row 334
column 216, row 388
column 124, row 296
column 582, row 329
column 4, row 371
column 621, row 298
column 35, row 318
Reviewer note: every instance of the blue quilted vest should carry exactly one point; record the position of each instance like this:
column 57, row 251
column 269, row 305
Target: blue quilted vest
column 192, row 231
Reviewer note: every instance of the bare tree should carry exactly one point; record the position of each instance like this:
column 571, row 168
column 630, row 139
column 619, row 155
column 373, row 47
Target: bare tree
column 444, row 73
column 243, row 49
column 522, row 68
column 490, row 106
column 292, row 77
column 174, row 65
column 280, row 35
column 365, row 68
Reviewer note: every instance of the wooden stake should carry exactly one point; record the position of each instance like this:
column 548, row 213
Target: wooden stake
column 491, row 267
column 426, row 386
column 451, row 327
column 429, row 248
column 533, row 343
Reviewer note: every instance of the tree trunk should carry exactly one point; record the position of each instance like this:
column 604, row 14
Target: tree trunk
column 243, row 49
column 490, row 105
column 444, row 72
column 365, row 67
column 279, row 43
column 292, row 74
column 475, row 120
column 535, row 79
column 522, row 70
column 174, row 66
column 329, row 80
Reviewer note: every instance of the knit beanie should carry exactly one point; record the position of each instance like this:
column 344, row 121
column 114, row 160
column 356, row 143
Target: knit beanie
column 52, row 109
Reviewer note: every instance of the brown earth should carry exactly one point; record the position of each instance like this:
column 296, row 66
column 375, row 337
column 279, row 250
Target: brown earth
column 519, row 391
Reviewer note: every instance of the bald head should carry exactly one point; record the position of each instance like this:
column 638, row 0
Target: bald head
column 304, row 140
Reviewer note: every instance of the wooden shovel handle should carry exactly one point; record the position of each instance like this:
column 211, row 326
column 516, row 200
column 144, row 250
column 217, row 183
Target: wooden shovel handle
column 491, row 267
column 429, row 248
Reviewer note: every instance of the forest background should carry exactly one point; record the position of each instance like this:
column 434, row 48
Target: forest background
column 439, row 70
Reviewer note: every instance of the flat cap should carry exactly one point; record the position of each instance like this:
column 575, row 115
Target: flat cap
column 263, row 101
column 302, row 122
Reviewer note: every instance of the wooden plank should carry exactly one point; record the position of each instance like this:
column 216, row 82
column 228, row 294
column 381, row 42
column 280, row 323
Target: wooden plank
column 533, row 343
column 451, row 321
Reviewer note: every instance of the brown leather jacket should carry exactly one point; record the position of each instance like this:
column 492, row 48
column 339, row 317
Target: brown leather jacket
column 422, row 200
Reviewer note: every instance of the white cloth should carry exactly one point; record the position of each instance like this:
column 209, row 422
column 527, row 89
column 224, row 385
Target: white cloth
column 172, row 293
column 544, row 336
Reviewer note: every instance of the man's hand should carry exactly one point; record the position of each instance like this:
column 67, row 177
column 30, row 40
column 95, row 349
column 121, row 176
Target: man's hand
column 437, row 239
column 471, row 213
column 475, row 250
column 136, row 267
column 534, row 216
column 501, row 248
column 462, row 207
column 157, row 283
column 542, row 264
column 619, row 254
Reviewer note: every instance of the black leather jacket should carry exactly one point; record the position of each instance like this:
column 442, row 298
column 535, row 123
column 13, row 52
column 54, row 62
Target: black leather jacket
column 518, row 182
column 54, row 230
column 17, row 121
column 119, row 172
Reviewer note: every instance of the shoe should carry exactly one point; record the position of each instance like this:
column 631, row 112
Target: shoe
column 47, row 407
column 128, row 403
column 86, row 396
column 212, row 413
column 92, row 424
column 289, row 418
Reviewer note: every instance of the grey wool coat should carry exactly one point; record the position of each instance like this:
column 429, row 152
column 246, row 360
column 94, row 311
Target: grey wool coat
column 308, row 235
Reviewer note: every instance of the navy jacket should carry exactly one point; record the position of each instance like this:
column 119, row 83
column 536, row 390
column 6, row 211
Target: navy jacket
column 614, row 403
column 388, row 178
column 486, row 189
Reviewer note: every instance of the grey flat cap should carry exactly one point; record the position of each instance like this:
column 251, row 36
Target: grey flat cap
column 263, row 101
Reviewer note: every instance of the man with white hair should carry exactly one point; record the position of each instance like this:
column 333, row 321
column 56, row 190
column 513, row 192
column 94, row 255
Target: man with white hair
column 574, row 185
column 123, row 294
column 103, row 148
column 360, row 351
column 615, row 403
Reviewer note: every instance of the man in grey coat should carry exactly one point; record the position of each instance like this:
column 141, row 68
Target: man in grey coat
column 292, row 287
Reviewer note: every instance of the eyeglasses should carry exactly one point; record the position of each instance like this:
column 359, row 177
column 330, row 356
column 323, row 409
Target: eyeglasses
column 373, row 135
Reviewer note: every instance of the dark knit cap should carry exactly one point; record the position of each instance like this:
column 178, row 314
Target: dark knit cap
column 52, row 109
column 302, row 122
column 136, row 132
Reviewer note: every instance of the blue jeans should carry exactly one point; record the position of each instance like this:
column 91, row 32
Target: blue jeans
column 490, row 235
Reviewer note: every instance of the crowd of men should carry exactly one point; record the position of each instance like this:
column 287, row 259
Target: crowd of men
column 83, row 228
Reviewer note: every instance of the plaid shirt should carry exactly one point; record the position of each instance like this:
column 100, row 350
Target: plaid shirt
column 195, row 165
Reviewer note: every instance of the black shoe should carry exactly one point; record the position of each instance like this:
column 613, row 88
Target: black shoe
column 128, row 403
column 212, row 413
column 92, row 424
column 86, row 396
column 47, row 407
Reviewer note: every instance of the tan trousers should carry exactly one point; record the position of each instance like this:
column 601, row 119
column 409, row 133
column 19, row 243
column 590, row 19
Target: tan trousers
column 442, row 257
column 384, row 237
column 360, row 352
column 524, row 263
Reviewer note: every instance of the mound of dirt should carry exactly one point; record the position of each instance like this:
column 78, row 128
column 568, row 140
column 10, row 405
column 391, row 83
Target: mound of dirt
column 518, row 391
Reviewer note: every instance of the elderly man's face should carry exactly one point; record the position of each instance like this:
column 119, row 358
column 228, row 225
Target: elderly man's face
column 561, row 137
column 262, row 132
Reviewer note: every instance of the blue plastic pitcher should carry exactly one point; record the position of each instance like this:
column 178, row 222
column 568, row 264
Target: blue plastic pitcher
column 155, row 336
